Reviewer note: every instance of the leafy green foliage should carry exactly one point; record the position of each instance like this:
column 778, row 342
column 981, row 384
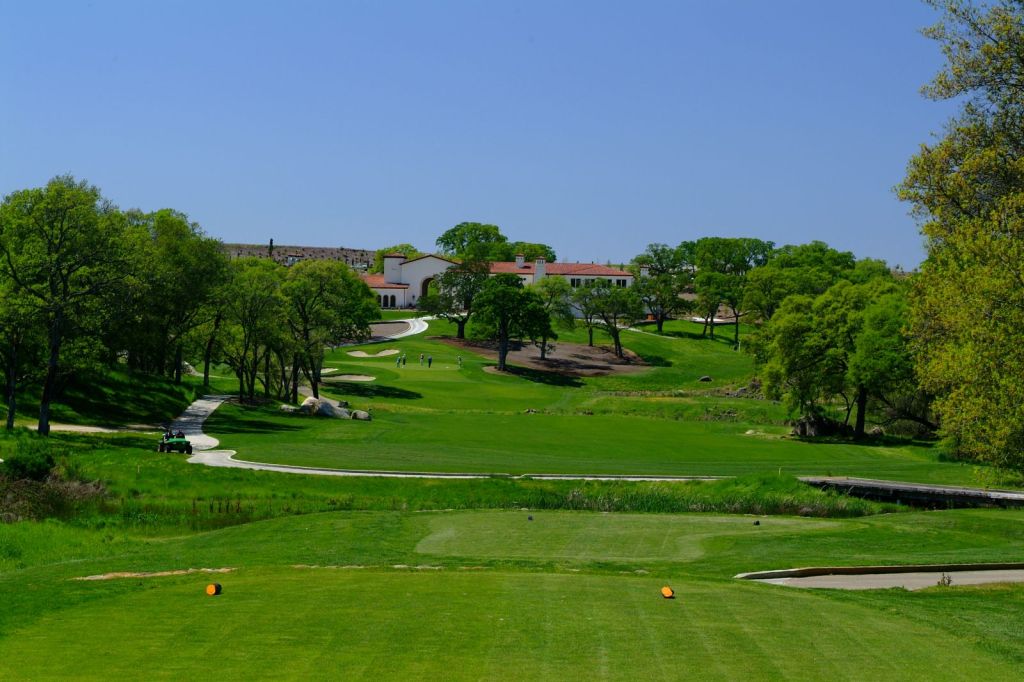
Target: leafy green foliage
column 661, row 275
column 723, row 265
column 32, row 460
column 453, row 293
column 613, row 307
column 407, row 250
column 848, row 343
column 968, row 191
column 506, row 310
column 483, row 242
column 327, row 304
column 807, row 269
column 67, row 250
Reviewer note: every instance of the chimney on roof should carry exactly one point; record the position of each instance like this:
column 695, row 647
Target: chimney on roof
column 520, row 259
column 539, row 269
column 393, row 268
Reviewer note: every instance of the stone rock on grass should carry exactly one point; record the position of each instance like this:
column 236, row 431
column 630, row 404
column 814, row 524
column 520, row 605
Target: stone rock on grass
column 361, row 415
column 322, row 408
column 289, row 409
column 704, row 378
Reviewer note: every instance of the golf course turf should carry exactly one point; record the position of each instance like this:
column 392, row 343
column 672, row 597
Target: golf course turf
column 499, row 578
column 494, row 595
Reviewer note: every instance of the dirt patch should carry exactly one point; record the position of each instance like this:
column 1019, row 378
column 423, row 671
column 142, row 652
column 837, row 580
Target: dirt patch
column 351, row 377
column 567, row 359
column 384, row 330
column 364, row 354
column 155, row 574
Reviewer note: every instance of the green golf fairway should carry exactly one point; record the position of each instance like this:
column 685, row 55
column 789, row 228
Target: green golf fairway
column 535, row 443
column 659, row 421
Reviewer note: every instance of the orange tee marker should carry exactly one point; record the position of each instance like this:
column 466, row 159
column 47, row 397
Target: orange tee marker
column 668, row 593
column 213, row 589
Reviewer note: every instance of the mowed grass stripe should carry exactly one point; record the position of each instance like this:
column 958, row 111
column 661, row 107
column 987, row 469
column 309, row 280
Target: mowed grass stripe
column 402, row 625
column 537, row 443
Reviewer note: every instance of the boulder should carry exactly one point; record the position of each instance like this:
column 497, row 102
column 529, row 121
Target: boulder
column 361, row 415
column 323, row 408
column 289, row 409
column 310, row 405
column 704, row 378
column 813, row 425
column 337, row 413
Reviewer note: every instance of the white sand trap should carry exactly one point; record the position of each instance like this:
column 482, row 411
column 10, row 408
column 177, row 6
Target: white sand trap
column 155, row 574
column 364, row 354
column 353, row 377
column 908, row 581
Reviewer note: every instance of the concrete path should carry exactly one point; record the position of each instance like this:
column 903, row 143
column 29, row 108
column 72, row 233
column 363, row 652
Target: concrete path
column 395, row 329
column 910, row 581
column 191, row 421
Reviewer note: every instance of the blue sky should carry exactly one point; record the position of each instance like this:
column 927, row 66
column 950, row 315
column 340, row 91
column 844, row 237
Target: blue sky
column 596, row 127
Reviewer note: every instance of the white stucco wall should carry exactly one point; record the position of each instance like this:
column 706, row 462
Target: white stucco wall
column 415, row 272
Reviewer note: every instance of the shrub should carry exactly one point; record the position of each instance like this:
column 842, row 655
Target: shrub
column 32, row 460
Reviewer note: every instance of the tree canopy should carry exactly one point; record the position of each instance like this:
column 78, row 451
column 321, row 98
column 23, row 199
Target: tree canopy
column 507, row 310
column 967, row 189
column 484, row 242
column 407, row 250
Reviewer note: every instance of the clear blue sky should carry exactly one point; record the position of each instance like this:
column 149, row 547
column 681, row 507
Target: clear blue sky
column 596, row 127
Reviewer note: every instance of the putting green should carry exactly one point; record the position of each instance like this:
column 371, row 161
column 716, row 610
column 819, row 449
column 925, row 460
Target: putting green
column 598, row 537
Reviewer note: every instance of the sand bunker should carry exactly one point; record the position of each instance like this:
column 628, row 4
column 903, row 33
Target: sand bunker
column 364, row 354
column 908, row 581
column 156, row 574
column 352, row 377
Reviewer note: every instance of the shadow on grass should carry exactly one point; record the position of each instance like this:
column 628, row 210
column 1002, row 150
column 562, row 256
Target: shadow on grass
column 869, row 441
column 118, row 398
column 655, row 360
column 548, row 378
column 694, row 336
column 244, row 425
column 370, row 391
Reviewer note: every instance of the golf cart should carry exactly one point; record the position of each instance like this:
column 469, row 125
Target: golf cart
column 174, row 442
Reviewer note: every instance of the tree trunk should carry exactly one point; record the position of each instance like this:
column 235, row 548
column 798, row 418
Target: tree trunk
column 460, row 329
column 241, row 385
column 12, row 385
column 661, row 323
column 50, row 384
column 266, row 374
column 614, row 332
column 502, row 349
column 704, row 332
column 736, row 331
column 178, row 360
column 208, row 353
column 862, row 408
column 295, row 378
column 590, row 336
column 544, row 348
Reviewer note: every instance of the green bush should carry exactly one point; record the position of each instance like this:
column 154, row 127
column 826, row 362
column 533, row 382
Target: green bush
column 33, row 460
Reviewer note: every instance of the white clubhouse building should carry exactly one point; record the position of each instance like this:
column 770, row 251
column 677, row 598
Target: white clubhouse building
column 404, row 280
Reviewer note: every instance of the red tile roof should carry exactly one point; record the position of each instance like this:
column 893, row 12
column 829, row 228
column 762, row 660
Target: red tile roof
column 581, row 269
column 377, row 282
